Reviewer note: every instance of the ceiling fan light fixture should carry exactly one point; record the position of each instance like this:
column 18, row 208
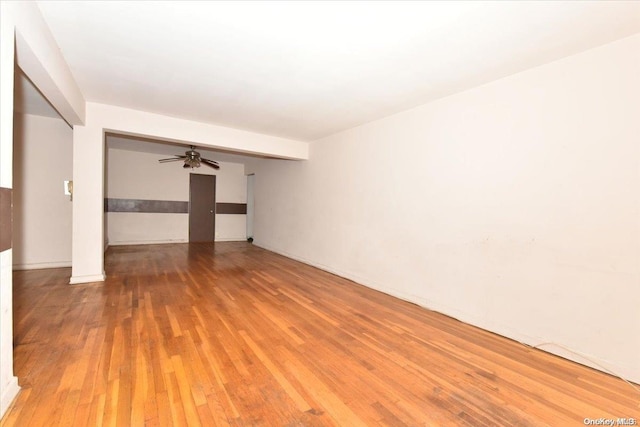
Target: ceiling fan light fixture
column 192, row 160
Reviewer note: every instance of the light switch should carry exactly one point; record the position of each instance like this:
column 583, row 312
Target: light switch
column 68, row 189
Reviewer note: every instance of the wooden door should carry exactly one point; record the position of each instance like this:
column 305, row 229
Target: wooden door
column 202, row 208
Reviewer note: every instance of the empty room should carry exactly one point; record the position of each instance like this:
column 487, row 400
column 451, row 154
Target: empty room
column 335, row 213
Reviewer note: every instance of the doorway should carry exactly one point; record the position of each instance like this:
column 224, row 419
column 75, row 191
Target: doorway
column 202, row 208
column 251, row 179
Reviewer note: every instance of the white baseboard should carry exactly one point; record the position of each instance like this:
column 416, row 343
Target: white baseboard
column 146, row 242
column 87, row 279
column 163, row 242
column 42, row 265
column 8, row 395
column 629, row 373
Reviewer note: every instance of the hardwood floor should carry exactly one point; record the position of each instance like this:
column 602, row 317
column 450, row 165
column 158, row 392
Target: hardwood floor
column 236, row 335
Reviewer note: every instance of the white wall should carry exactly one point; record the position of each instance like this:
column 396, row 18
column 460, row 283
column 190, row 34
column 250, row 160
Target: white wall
column 136, row 175
column 43, row 155
column 514, row 206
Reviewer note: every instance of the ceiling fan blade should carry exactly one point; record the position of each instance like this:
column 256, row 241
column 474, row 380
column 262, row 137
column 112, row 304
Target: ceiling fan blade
column 210, row 163
column 186, row 166
column 172, row 159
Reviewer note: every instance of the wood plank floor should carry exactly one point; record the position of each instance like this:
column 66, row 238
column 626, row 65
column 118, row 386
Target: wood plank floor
column 235, row 335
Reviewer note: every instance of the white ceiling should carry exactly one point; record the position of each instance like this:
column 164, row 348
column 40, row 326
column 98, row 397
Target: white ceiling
column 305, row 70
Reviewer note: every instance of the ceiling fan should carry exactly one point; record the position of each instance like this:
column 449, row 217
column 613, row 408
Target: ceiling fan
column 192, row 160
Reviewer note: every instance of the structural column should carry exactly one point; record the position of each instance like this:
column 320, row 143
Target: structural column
column 8, row 382
column 87, row 253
